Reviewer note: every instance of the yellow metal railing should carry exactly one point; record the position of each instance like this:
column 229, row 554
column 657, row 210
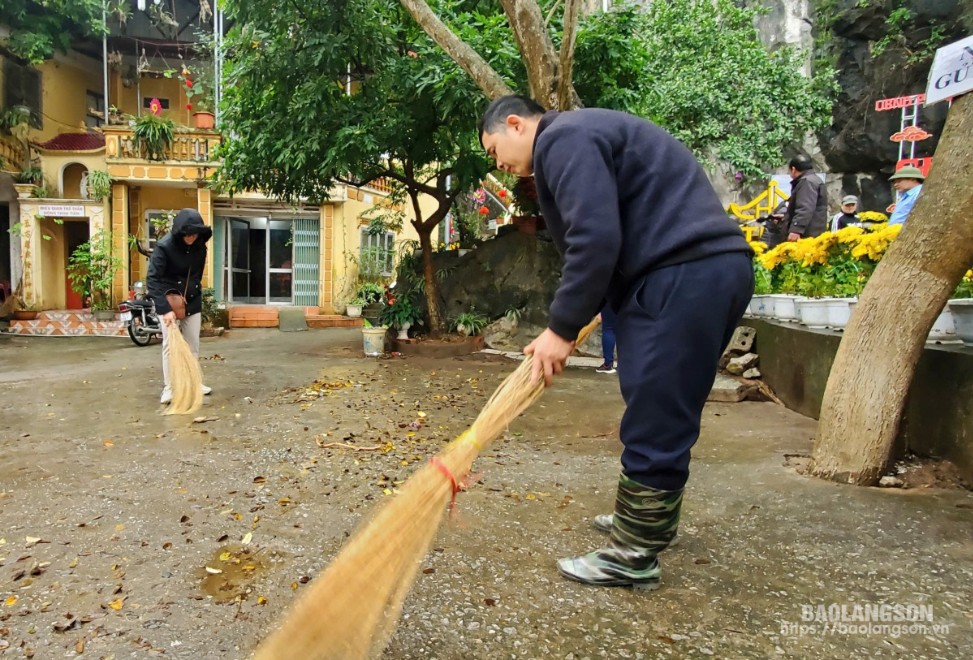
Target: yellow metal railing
column 760, row 207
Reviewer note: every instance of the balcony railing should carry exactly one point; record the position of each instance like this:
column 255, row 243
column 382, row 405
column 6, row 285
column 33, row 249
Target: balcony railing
column 188, row 145
column 11, row 154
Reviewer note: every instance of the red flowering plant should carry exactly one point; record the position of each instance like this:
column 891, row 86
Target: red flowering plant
column 198, row 87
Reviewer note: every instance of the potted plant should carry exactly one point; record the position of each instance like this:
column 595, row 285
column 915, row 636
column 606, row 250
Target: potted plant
column 99, row 185
column 469, row 324
column 371, row 294
column 961, row 307
column 198, row 88
column 214, row 319
column 402, row 314
column 354, row 308
column 91, row 269
column 153, row 132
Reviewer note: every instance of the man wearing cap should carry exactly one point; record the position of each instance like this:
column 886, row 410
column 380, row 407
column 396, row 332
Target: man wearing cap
column 908, row 183
column 848, row 215
column 807, row 208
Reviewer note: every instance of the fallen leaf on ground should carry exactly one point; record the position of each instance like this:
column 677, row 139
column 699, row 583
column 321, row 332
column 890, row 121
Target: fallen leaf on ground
column 202, row 420
column 247, row 538
column 213, row 571
column 262, row 600
column 117, row 604
column 11, row 601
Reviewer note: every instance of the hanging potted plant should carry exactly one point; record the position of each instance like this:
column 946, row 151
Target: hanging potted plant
column 91, row 269
column 153, row 132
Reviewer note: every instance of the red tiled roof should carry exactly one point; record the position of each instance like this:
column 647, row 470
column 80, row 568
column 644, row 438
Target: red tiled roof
column 74, row 142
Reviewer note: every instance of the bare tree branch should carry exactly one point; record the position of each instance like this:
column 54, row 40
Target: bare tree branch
column 550, row 14
column 566, row 95
column 468, row 59
column 536, row 47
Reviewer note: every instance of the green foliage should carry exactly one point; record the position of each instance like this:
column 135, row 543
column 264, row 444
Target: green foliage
column 91, row 269
column 154, row 134
column 699, row 70
column 762, row 279
column 34, row 175
column 99, row 184
column 403, row 310
column 211, row 309
column 965, row 288
column 469, row 323
column 370, row 292
column 411, row 116
column 39, row 28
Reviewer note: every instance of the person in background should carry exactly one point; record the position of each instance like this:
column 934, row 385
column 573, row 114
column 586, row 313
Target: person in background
column 908, row 183
column 176, row 266
column 775, row 227
column 807, row 208
column 847, row 216
column 607, row 340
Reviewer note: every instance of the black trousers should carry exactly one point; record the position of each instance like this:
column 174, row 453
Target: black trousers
column 672, row 329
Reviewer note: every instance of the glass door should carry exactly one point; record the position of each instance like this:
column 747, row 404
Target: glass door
column 238, row 260
column 280, row 262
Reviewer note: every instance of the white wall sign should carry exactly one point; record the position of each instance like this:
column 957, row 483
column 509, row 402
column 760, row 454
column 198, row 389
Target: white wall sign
column 952, row 71
column 62, row 211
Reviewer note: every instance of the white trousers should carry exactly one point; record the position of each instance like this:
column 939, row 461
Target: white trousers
column 189, row 327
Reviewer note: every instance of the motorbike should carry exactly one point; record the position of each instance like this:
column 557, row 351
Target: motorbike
column 138, row 313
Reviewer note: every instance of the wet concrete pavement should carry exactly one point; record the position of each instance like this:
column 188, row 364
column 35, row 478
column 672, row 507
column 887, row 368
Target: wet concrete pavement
column 110, row 514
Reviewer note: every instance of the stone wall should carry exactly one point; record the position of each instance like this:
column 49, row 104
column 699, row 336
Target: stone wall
column 938, row 419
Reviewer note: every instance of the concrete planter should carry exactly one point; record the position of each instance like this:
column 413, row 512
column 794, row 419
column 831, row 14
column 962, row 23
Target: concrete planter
column 785, row 307
column 962, row 310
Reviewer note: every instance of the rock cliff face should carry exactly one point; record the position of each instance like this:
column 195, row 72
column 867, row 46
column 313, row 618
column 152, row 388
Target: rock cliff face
column 881, row 49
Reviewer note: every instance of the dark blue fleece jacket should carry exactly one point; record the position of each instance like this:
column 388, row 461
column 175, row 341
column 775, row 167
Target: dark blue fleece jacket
column 621, row 197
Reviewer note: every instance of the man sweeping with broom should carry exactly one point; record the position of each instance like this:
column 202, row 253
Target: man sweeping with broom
column 632, row 213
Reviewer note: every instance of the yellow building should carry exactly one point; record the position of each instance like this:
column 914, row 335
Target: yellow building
column 263, row 252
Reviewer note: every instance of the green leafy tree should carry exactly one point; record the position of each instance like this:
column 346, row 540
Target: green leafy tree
column 39, row 28
column 409, row 116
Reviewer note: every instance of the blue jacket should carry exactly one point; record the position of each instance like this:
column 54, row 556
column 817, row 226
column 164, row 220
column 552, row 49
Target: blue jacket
column 621, row 197
column 903, row 207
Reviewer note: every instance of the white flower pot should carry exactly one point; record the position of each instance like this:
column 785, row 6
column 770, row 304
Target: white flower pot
column 943, row 329
column 404, row 330
column 354, row 311
column 962, row 310
column 785, row 307
column 813, row 312
column 758, row 305
column 839, row 312
column 373, row 341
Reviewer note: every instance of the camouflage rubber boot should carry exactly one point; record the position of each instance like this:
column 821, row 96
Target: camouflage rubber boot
column 643, row 525
column 603, row 523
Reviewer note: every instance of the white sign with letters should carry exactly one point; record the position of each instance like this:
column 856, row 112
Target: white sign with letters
column 62, row 211
column 952, row 71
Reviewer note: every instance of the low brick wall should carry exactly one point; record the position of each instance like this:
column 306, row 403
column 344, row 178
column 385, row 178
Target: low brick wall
column 938, row 420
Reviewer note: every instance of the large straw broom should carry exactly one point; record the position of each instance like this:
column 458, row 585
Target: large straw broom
column 185, row 376
column 350, row 611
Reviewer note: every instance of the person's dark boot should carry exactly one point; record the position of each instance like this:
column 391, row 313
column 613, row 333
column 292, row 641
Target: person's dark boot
column 644, row 524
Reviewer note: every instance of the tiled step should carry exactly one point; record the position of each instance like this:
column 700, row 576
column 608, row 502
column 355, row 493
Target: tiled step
column 332, row 321
column 68, row 324
column 253, row 316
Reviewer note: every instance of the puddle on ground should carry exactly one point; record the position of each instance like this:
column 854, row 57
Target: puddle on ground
column 230, row 573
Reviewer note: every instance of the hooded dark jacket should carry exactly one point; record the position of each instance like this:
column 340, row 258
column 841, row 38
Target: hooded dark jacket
column 807, row 208
column 621, row 198
column 173, row 261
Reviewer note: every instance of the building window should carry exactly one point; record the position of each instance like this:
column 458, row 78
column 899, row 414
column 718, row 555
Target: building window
column 147, row 101
column 94, row 104
column 22, row 86
column 377, row 254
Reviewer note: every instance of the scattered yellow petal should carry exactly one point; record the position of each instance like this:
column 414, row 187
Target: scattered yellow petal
column 249, row 567
column 224, row 556
column 284, row 501
column 11, row 601
column 387, row 491
column 293, row 586
column 117, row 604
column 247, row 538
column 411, row 433
column 237, row 516
column 261, row 600
column 74, row 563
column 421, row 414
column 213, row 571
column 31, row 540
column 119, row 527
column 530, row 496
column 108, row 443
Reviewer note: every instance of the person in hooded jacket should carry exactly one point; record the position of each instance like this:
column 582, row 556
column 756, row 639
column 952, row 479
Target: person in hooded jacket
column 176, row 266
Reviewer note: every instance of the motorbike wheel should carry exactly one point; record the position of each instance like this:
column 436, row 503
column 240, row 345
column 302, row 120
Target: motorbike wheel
column 139, row 338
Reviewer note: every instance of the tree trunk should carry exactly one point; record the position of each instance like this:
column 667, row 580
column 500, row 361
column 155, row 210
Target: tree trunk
column 567, row 98
column 870, row 378
column 432, row 290
column 468, row 59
